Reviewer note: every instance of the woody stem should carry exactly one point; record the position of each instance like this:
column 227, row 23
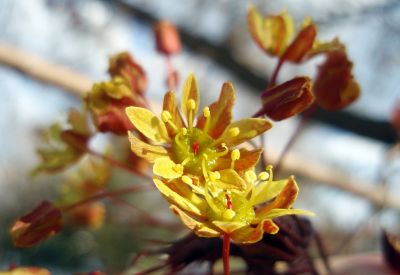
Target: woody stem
column 225, row 253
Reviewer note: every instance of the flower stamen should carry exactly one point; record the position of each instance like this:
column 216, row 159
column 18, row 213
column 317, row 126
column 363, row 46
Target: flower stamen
column 235, row 155
column 166, row 117
column 191, row 106
column 207, row 115
column 224, row 152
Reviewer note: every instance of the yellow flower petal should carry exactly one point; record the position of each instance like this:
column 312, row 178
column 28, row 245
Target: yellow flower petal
column 230, row 180
column 248, row 234
column 176, row 199
column 248, row 159
column 248, row 128
column 220, row 112
column 166, row 168
column 285, row 199
column 278, row 212
column 229, row 226
column 145, row 150
column 267, row 190
column 202, row 229
column 148, row 124
column 190, row 91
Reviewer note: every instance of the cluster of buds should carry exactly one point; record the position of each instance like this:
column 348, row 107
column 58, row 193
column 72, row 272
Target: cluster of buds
column 108, row 100
column 334, row 86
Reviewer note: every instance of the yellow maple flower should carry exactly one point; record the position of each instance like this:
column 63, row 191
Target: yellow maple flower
column 182, row 147
column 245, row 214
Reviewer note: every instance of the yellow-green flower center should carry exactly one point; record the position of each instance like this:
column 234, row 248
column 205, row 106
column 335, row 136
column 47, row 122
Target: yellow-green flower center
column 192, row 148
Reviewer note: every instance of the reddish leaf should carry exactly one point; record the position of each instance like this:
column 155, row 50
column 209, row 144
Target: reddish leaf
column 41, row 223
column 167, row 38
column 288, row 99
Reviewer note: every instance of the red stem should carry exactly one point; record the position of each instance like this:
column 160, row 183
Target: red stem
column 272, row 83
column 225, row 252
column 275, row 73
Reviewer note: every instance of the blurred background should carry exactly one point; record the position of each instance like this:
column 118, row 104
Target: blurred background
column 350, row 147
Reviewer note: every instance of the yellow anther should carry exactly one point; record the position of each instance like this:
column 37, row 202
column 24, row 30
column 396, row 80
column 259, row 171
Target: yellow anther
column 178, row 168
column 205, row 157
column 206, row 112
column 228, row 214
column 191, row 104
column 224, row 152
column 263, row 176
column 233, row 132
column 214, row 176
column 235, row 155
column 250, row 176
column 184, row 131
column 166, row 116
column 187, row 180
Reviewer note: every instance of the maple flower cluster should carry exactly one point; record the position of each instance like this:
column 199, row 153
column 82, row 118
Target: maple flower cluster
column 209, row 182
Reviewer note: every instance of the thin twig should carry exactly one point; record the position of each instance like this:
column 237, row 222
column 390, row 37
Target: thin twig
column 108, row 194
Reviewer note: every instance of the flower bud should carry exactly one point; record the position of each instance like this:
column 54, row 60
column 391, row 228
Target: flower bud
column 288, row 99
column 123, row 65
column 167, row 38
column 41, row 223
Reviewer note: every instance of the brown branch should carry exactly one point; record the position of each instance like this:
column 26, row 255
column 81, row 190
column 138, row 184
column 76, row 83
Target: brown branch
column 44, row 71
column 78, row 84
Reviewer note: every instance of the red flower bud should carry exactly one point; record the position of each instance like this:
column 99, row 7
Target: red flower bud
column 288, row 99
column 43, row 222
column 167, row 38
column 123, row 65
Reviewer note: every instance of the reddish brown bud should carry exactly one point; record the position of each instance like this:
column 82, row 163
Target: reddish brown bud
column 301, row 45
column 334, row 86
column 287, row 99
column 167, row 38
column 123, row 65
column 43, row 222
